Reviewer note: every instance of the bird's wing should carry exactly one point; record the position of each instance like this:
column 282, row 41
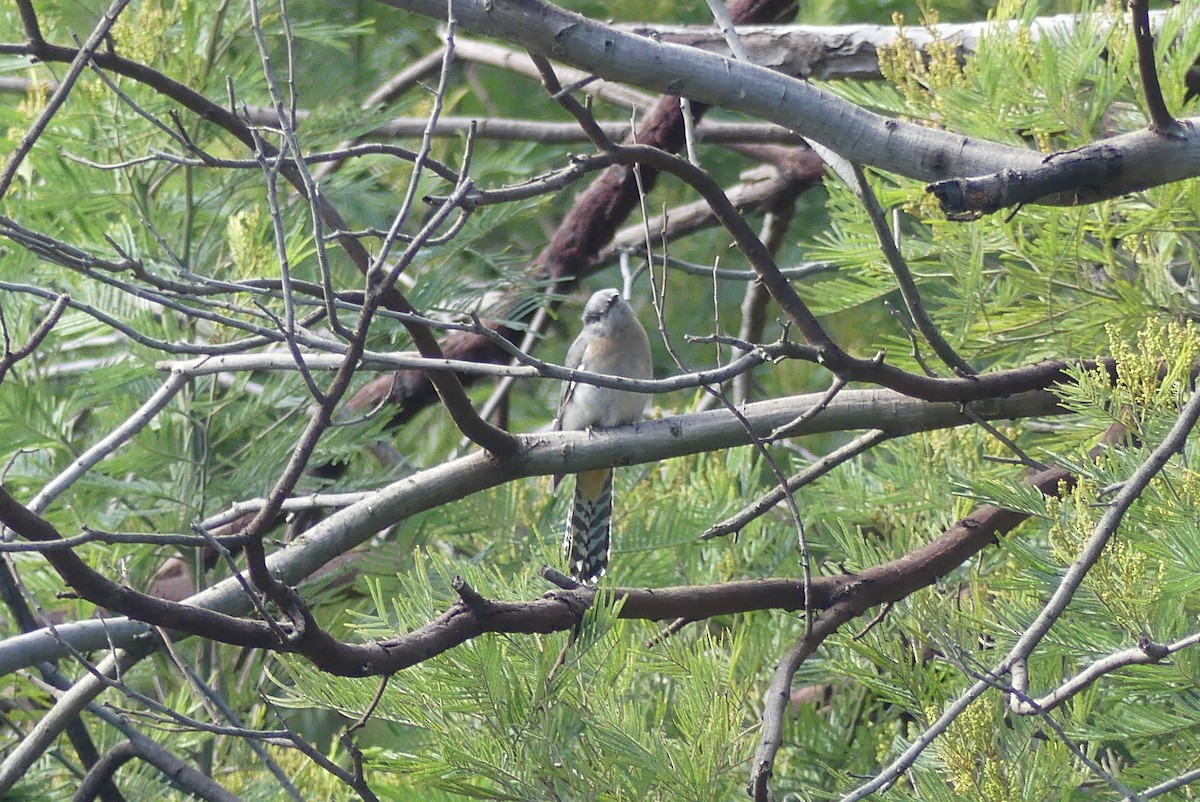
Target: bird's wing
column 574, row 362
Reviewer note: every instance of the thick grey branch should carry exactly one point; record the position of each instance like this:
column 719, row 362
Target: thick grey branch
column 547, row 133
column 548, row 453
column 1131, row 161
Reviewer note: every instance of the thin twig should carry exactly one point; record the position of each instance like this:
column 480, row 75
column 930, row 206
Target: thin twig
column 362, row 720
column 1145, row 653
column 674, row 627
column 14, row 355
column 786, row 429
column 78, row 64
column 913, row 341
column 811, row 473
column 905, row 280
column 110, row 442
column 874, row 622
column 1006, row 441
column 725, row 25
column 1161, row 120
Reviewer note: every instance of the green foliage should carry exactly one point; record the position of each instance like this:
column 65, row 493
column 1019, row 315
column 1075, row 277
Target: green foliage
column 602, row 714
column 595, row 715
column 1012, row 289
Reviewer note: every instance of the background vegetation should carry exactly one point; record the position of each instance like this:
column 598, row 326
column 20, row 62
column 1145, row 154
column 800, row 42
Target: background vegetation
column 172, row 240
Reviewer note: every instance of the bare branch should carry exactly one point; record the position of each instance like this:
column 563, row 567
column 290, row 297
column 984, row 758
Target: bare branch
column 110, row 442
column 1114, row 167
column 33, row 31
column 715, row 132
column 738, row 521
column 14, row 355
column 103, row 592
column 1173, row 784
column 1161, row 120
column 1147, row 653
column 759, row 187
column 904, row 278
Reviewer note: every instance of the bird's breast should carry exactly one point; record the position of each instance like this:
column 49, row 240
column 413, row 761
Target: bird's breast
column 602, row 408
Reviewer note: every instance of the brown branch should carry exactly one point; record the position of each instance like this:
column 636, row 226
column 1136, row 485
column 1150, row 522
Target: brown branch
column 562, row 610
column 558, row 611
column 103, row 592
column 307, row 636
column 14, row 355
column 1161, row 120
column 757, row 191
column 883, row 584
column 29, row 21
column 756, row 253
column 821, row 347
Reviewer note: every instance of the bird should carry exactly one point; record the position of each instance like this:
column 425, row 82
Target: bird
column 614, row 343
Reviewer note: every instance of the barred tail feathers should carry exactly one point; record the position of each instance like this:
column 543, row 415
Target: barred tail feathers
column 589, row 525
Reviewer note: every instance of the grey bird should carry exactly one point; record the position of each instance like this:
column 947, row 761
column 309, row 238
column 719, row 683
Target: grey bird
column 614, row 343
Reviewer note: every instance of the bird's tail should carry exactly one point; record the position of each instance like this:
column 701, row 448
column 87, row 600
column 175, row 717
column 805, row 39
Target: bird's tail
column 589, row 525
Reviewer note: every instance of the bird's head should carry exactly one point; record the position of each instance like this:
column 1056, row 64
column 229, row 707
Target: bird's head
column 605, row 306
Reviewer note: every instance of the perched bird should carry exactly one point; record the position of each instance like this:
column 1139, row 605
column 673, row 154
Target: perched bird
column 614, row 343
